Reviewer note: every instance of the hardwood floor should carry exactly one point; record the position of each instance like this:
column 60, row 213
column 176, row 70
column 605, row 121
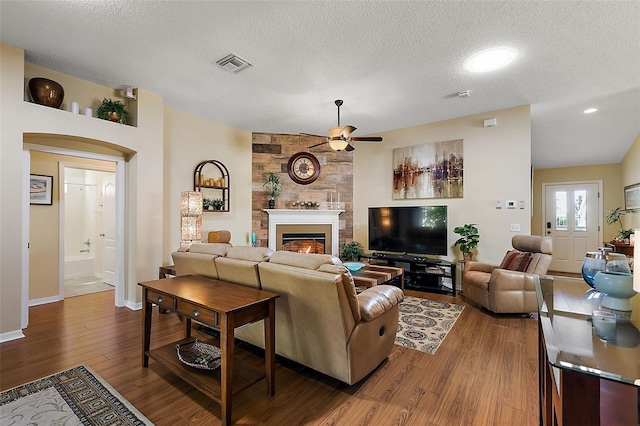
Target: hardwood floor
column 484, row 373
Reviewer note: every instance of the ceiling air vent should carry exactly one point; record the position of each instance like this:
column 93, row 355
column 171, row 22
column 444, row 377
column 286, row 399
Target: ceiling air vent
column 233, row 63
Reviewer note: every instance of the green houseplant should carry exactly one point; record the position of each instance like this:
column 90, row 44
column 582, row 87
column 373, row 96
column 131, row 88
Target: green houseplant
column 469, row 239
column 113, row 111
column 207, row 203
column 614, row 216
column 218, row 204
column 273, row 187
column 351, row 251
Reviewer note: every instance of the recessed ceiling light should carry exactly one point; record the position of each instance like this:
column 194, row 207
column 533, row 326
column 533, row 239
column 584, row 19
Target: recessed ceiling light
column 590, row 110
column 490, row 59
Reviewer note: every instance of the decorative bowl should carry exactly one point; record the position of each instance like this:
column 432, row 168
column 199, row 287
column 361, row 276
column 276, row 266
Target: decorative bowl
column 46, row 92
column 617, row 288
column 353, row 266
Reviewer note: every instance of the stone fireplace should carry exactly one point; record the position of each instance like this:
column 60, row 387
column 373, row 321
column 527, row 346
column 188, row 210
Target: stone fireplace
column 313, row 231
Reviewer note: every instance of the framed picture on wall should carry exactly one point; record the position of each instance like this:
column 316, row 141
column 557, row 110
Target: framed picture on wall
column 632, row 197
column 41, row 189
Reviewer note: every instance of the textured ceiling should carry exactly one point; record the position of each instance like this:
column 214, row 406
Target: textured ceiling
column 395, row 64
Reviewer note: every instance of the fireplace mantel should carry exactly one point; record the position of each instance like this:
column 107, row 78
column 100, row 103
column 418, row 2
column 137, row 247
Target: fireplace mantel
column 304, row 217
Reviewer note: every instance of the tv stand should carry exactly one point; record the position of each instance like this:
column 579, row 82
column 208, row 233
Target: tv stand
column 420, row 272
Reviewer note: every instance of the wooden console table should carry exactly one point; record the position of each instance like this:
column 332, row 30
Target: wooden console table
column 219, row 305
column 618, row 247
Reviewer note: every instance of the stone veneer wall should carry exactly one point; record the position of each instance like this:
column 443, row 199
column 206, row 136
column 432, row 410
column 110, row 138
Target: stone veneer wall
column 271, row 153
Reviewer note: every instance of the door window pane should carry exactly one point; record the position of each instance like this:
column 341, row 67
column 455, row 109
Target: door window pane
column 580, row 216
column 561, row 211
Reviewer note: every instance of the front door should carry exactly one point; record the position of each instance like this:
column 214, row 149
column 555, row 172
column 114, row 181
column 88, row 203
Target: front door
column 572, row 219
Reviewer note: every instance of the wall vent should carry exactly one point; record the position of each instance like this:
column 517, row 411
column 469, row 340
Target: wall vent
column 233, row 63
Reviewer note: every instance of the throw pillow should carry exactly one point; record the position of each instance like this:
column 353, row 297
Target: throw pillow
column 516, row 260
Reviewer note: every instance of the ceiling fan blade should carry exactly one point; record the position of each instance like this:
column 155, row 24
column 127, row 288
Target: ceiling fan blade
column 368, row 139
column 349, row 148
column 318, row 144
column 311, row 134
column 347, row 130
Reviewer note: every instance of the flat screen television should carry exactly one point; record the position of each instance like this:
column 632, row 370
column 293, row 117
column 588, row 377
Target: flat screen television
column 414, row 230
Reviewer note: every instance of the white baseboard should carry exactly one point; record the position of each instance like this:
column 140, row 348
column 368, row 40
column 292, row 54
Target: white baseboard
column 11, row 335
column 44, row 300
column 134, row 306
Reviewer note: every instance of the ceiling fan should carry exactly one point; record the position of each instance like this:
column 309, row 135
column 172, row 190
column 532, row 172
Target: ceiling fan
column 340, row 138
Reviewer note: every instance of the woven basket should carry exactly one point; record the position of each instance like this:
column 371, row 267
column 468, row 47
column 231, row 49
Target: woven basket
column 199, row 355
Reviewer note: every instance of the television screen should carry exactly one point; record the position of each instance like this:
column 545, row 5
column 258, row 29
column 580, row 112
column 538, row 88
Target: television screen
column 419, row 229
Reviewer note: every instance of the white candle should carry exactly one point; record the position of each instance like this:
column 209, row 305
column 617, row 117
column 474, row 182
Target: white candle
column 338, row 198
column 88, row 112
column 331, row 195
column 75, row 108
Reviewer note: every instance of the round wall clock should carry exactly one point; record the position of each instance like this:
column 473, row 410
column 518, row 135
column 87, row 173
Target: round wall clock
column 303, row 168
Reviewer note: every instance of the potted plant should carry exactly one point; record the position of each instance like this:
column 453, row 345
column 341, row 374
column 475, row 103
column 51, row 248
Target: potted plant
column 351, row 251
column 218, row 204
column 113, row 111
column 614, row 216
column 207, row 203
column 468, row 240
column 273, row 187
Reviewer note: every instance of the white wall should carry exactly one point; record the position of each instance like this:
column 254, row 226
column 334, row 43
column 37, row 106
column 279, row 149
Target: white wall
column 497, row 166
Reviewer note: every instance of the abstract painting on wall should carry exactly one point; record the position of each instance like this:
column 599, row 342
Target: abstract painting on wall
column 431, row 170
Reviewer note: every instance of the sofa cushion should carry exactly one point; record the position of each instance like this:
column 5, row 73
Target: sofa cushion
column 303, row 260
column 219, row 249
column 516, row 260
column 348, row 284
column 255, row 254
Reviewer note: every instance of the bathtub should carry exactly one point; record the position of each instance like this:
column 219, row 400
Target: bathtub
column 79, row 266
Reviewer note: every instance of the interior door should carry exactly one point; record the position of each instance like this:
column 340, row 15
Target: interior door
column 109, row 230
column 572, row 219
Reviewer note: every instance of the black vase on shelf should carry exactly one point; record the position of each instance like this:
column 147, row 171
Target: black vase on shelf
column 272, row 203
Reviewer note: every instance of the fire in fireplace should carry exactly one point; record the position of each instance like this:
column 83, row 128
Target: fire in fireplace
column 304, row 242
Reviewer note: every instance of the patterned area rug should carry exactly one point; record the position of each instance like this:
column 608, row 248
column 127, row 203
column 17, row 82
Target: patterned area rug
column 424, row 324
column 74, row 397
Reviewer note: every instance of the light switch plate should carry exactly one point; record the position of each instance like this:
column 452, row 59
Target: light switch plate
column 515, row 227
column 511, row 204
column 498, row 204
column 522, row 204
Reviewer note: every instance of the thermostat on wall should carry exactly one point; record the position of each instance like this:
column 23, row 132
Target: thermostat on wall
column 511, row 204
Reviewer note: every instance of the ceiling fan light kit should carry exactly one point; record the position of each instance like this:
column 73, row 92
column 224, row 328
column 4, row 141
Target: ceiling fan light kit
column 340, row 137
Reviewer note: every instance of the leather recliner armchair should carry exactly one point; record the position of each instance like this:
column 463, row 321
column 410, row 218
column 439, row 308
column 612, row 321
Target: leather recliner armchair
column 510, row 287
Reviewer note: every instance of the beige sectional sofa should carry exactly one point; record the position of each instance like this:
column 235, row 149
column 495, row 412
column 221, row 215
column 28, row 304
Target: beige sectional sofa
column 320, row 320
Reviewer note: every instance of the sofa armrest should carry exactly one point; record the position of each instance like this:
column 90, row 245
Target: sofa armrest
column 377, row 300
column 478, row 266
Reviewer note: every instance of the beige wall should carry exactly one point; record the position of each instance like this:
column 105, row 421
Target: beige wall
column 24, row 121
column 206, row 140
column 44, row 253
column 631, row 176
column 609, row 174
column 496, row 167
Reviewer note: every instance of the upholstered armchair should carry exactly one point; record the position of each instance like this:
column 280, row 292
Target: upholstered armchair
column 509, row 287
